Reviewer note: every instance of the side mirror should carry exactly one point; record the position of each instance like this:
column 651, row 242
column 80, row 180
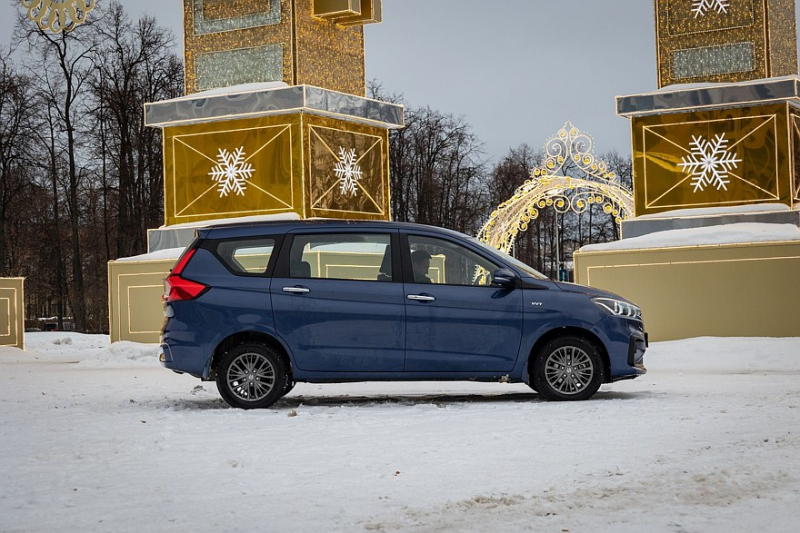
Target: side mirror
column 505, row 278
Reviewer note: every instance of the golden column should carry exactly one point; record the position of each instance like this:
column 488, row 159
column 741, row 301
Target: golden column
column 274, row 122
column 724, row 127
column 275, row 118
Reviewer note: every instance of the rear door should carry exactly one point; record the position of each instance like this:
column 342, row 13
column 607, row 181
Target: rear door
column 457, row 322
column 337, row 303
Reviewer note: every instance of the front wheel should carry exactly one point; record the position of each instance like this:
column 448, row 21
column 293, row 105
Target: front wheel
column 251, row 376
column 567, row 368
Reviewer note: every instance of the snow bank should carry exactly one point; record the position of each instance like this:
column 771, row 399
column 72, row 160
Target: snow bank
column 160, row 255
column 83, row 350
column 237, row 220
column 234, row 89
column 714, row 235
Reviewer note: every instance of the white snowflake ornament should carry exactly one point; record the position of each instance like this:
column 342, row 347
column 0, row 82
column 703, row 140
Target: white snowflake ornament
column 231, row 172
column 701, row 7
column 709, row 162
column 348, row 171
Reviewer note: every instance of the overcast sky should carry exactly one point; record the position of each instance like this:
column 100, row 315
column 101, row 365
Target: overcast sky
column 515, row 69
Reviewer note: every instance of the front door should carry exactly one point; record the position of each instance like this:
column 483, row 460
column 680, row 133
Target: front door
column 457, row 322
column 337, row 304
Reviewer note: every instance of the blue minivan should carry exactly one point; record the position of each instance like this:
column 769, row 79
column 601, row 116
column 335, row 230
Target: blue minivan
column 260, row 306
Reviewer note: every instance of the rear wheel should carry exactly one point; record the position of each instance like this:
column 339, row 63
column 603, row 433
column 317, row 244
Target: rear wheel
column 251, row 376
column 567, row 368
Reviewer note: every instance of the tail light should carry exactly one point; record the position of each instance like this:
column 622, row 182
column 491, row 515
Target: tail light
column 177, row 288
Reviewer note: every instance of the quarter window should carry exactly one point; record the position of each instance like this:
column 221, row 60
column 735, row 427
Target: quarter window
column 445, row 262
column 349, row 256
column 247, row 256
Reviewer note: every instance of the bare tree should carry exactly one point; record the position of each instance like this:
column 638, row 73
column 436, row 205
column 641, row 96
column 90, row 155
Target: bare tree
column 62, row 68
column 16, row 121
column 133, row 64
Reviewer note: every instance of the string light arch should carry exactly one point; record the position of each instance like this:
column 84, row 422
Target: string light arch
column 548, row 189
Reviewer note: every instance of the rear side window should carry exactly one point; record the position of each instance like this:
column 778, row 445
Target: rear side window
column 348, row 256
column 247, row 256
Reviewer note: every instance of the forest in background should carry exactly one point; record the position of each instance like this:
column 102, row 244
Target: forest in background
column 81, row 177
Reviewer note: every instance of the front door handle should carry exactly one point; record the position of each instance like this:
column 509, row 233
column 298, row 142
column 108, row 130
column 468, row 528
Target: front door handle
column 420, row 297
column 297, row 290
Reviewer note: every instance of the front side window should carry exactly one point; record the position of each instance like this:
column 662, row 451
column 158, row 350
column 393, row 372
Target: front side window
column 445, row 262
column 349, row 256
column 247, row 256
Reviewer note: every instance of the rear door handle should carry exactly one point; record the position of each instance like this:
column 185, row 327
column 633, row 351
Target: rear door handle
column 297, row 290
column 420, row 298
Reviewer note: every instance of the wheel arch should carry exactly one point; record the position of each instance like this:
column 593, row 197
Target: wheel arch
column 569, row 331
column 244, row 337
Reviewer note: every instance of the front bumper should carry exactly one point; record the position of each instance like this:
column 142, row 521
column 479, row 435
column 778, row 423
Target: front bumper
column 626, row 342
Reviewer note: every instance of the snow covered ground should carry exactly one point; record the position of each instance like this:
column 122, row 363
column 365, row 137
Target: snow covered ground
column 100, row 438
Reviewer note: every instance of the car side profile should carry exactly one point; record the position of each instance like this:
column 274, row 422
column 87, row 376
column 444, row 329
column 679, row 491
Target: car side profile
column 258, row 307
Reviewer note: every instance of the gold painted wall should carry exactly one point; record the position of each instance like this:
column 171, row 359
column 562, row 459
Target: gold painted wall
column 253, row 41
column 289, row 163
column 754, row 148
column 12, row 312
column 134, row 300
column 736, row 290
column 748, row 40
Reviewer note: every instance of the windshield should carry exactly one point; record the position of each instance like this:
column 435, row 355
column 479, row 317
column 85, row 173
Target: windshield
column 515, row 262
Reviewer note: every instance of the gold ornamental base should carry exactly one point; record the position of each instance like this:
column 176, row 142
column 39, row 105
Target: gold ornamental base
column 134, row 299
column 732, row 290
column 12, row 312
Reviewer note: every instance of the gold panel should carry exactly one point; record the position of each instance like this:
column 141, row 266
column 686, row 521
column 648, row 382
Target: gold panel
column 12, row 312
column 795, row 134
column 136, row 312
column 266, row 166
column 238, row 168
column 329, row 55
column 347, row 169
column 716, row 158
column 736, row 41
column 306, row 49
column 694, row 296
column 301, row 163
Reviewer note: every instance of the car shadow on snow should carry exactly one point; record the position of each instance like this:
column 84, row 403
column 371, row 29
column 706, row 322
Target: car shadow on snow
column 437, row 399
column 403, row 400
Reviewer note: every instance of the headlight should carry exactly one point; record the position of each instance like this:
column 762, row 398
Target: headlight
column 618, row 307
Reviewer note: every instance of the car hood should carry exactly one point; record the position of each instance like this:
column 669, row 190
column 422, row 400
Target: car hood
column 589, row 291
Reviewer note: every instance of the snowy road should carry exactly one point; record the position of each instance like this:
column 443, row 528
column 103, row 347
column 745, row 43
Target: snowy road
column 99, row 438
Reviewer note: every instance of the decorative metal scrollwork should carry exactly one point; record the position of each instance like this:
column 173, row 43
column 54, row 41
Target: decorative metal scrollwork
column 548, row 189
column 55, row 16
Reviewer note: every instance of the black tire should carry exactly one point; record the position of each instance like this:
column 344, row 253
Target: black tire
column 251, row 376
column 288, row 387
column 567, row 369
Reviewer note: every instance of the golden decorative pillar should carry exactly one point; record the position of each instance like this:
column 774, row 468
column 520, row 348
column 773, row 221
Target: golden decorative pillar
column 731, row 137
column 275, row 122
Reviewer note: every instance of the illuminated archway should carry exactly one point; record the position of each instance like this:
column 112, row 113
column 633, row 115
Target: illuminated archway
column 548, row 188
